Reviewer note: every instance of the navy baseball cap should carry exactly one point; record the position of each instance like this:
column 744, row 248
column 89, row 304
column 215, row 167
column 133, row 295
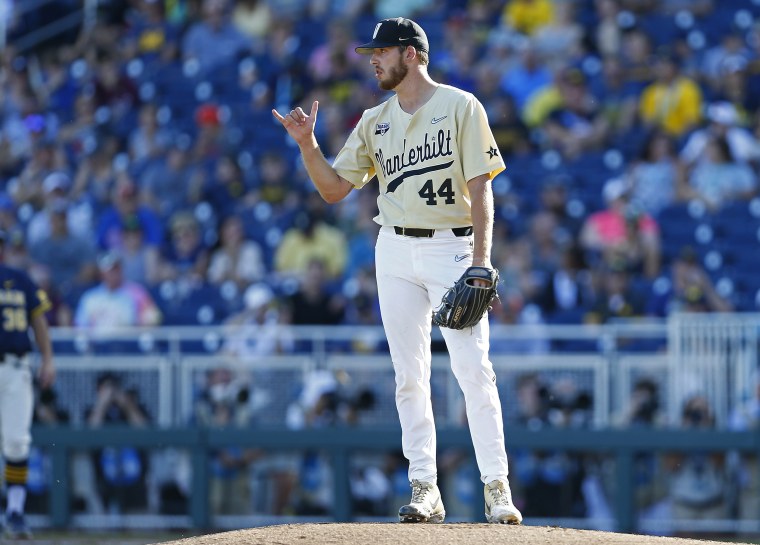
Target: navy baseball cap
column 395, row 32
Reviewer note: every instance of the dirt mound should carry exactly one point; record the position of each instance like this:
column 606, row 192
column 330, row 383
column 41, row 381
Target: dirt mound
column 424, row 534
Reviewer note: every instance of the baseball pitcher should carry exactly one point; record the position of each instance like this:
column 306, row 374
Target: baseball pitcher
column 434, row 156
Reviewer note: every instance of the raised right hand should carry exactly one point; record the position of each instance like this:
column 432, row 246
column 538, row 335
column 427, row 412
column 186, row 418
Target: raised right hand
column 299, row 125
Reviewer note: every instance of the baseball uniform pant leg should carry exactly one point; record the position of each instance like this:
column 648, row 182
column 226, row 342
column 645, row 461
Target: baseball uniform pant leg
column 468, row 350
column 16, row 411
column 406, row 314
column 474, row 373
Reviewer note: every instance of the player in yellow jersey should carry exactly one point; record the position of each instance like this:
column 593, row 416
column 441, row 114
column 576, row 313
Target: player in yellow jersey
column 434, row 155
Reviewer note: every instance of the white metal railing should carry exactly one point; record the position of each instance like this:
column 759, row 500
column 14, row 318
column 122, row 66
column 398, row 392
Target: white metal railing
column 713, row 354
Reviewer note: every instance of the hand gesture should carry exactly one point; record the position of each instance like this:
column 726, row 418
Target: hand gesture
column 299, row 125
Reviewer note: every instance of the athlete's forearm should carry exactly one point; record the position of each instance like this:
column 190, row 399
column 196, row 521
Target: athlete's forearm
column 331, row 187
column 482, row 219
column 42, row 338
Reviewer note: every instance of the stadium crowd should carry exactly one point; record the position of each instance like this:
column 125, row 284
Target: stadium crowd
column 143, row 180
column 139, row 157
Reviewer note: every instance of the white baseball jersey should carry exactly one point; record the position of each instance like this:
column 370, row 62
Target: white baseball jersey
column 424, row 160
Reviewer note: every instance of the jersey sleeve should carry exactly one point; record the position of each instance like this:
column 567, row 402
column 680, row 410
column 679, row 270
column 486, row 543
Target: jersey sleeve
column 37, row 300
column 478, row 149
column 353, row 161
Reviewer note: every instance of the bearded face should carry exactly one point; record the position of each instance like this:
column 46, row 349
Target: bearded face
column 395, row 75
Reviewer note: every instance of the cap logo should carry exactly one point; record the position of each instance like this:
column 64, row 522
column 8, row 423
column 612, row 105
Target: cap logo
column 377, row 29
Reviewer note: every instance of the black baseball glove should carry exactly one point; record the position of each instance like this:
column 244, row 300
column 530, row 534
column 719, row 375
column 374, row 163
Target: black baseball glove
column 465, row 303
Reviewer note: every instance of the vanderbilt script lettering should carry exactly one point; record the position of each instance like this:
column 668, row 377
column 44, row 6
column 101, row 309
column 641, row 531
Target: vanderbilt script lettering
column 438, row 145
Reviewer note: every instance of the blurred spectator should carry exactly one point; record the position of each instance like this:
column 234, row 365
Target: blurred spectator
column 171, row 181
column 235, row 259
column 384, row 9
column 618, row 99
column 654, row 175
column 212, row 140
column 115, row 93
column 148, row 140
column 226, row 187
column 214, row 40
column 71, row 256
column 338, row 47
column 511, row 134
column 528, row 16
column 672, row 102
column 719, row 179
column 644, row 408
column 546, row 246
column 622, row 234
column 47, row 157
column 651, row 484
column 314, row 303
column 260, row 332
column 140, row 260
column 185, row 256
column 548, row 482
column 95, row 179
column 698, row 486
column 569, row 289
column 730, row 52
column 226, row 405
column 608, row 36
column 7, row 212
column 16, row 251
column 636, row 55
column 736, row 87
column 125, row 205
column 121, row 471
column 55, row 189
column 149, row 32
column 554, row 198
column 80, row 134
column 723, row 122
column 576, row 125
column 526, row 77
column 275, row 183
column 326, row 399
column 688, row 289
column 253, row 18
column 559, row 41
column 615, row 297
column 311, row 238
column 115, row 303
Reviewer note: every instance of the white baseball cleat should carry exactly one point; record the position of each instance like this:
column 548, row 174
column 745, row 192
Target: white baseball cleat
column 426, row 504
column 499, row 506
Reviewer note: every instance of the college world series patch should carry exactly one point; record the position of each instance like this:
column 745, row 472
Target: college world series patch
column 382, row 128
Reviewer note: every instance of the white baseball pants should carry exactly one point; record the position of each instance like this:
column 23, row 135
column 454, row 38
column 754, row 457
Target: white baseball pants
column 412, row 276
column 16, row 403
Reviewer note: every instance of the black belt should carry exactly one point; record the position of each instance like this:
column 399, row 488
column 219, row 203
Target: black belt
column 10, row 355
column 428, row 233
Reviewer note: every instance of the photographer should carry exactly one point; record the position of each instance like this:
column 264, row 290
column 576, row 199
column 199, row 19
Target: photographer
column 224, row 403
column 699, row 485
column 326, row 400
column 121, row 471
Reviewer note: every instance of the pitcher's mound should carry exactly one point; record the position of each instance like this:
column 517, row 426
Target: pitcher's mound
column 424, row 534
